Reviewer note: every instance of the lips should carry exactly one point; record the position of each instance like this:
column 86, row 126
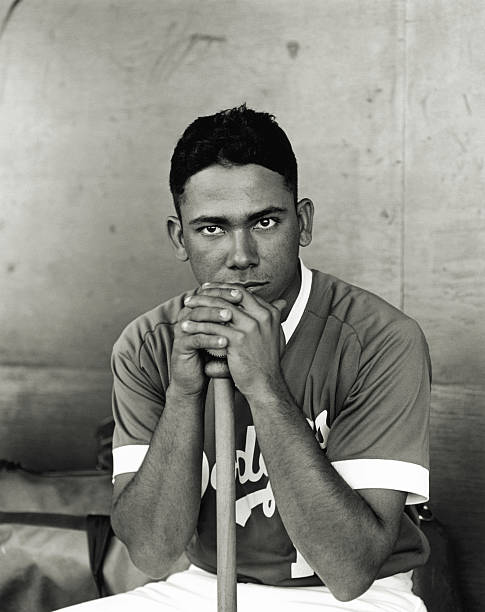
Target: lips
column 252, row 285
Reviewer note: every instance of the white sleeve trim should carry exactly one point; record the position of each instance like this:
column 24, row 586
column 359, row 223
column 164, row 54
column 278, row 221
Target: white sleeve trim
column 386, row 474
column 128, row 458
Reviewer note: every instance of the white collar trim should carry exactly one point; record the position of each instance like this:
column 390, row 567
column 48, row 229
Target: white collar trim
column 299, row 306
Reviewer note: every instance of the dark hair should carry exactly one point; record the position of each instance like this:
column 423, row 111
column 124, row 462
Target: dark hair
column 235, row 136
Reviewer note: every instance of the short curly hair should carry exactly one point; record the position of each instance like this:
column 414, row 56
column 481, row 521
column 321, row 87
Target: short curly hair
column 236, row 136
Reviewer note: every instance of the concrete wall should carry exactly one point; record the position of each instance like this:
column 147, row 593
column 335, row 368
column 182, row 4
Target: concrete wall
column 384, row 103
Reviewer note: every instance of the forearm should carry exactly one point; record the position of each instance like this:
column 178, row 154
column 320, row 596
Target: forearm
column 333, row 527
column 156, row 514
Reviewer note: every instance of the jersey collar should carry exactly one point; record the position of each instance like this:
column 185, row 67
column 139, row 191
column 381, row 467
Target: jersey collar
column 298, row 308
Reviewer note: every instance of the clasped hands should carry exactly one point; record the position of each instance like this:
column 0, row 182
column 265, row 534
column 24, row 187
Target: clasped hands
column 228, row 316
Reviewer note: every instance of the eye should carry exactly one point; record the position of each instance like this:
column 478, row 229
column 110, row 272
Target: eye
column 211, row 230
column 266, row 223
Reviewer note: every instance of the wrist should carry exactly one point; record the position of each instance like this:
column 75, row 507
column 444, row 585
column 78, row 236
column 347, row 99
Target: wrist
column 267, row 389
column 177, row 393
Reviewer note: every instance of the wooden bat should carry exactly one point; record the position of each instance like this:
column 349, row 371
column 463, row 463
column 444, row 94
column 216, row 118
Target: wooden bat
column 225, row 485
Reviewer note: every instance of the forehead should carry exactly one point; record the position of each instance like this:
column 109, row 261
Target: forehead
column 234, row 188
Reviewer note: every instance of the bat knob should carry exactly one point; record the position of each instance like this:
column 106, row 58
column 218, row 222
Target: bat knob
column 216, row 364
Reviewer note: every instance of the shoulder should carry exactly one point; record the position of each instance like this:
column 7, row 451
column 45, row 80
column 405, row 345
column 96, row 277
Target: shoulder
column 368, row 317
column 153, row 326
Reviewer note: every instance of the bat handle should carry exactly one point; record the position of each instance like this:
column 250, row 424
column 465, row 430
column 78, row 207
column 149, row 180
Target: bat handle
column 225, row 495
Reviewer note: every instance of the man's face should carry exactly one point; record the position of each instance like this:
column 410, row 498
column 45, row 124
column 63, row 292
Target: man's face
column 239, row 224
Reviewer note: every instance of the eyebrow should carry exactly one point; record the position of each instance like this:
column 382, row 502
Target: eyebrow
column 224, row 220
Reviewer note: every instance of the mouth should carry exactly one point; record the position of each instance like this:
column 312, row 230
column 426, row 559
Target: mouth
column 253, row 285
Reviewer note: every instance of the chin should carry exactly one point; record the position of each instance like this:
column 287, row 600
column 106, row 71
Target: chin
column 265, row 293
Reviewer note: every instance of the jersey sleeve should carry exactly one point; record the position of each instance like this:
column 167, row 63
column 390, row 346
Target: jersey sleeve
column 380, row 438
column 138, row 400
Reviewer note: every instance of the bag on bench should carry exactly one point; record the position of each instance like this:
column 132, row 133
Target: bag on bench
column 54, row 537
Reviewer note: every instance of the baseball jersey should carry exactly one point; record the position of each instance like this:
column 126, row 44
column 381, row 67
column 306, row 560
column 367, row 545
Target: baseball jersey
column 359, row 370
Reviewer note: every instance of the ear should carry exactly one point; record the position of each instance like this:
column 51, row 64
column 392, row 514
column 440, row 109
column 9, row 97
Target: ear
column 176, row 235
column 304, row 212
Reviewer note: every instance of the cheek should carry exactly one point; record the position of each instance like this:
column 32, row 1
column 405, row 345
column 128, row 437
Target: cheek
column 205, row 258
column 199, row 249
column 285, row 245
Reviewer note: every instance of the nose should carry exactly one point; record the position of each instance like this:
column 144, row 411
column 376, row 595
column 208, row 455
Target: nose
column 243, row 251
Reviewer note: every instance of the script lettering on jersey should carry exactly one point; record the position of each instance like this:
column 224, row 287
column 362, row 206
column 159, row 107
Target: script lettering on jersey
column 263, row 497
column 321, row 429
column 245, row 469
column 246, row 459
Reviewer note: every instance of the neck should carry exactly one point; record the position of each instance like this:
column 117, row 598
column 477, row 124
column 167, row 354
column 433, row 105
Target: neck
column 292, row 293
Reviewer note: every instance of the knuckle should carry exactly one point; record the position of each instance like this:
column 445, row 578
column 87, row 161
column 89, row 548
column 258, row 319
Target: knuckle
column 206, row 314
column 209, row 291
column 252, row 326
column 196, row 314
column 239, row 337
column 183, row 314
column 220, row 294
column 197, row 341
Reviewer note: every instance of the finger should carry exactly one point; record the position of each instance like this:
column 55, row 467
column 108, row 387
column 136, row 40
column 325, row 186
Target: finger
column 223, row 311
column 195, row 342
column 203, row 299
column 249, row 301
column 276, row 307
column 280, row 305
column 206, row 327
column 229, row 292
column 233, row 336
column 263, row 303
column 226, row 312
column 209, row 313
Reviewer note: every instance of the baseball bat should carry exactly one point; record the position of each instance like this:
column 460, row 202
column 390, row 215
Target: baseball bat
column 225, row 485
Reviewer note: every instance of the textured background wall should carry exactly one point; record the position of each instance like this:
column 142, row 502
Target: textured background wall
column 384, row 104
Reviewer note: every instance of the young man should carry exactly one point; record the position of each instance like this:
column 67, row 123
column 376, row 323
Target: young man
column 331, row 423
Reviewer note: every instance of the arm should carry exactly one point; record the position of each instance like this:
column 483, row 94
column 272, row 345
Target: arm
column 343, row 534
column 155, row 510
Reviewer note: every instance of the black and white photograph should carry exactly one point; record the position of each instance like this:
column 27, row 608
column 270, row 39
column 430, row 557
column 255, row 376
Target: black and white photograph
column 242, row 306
